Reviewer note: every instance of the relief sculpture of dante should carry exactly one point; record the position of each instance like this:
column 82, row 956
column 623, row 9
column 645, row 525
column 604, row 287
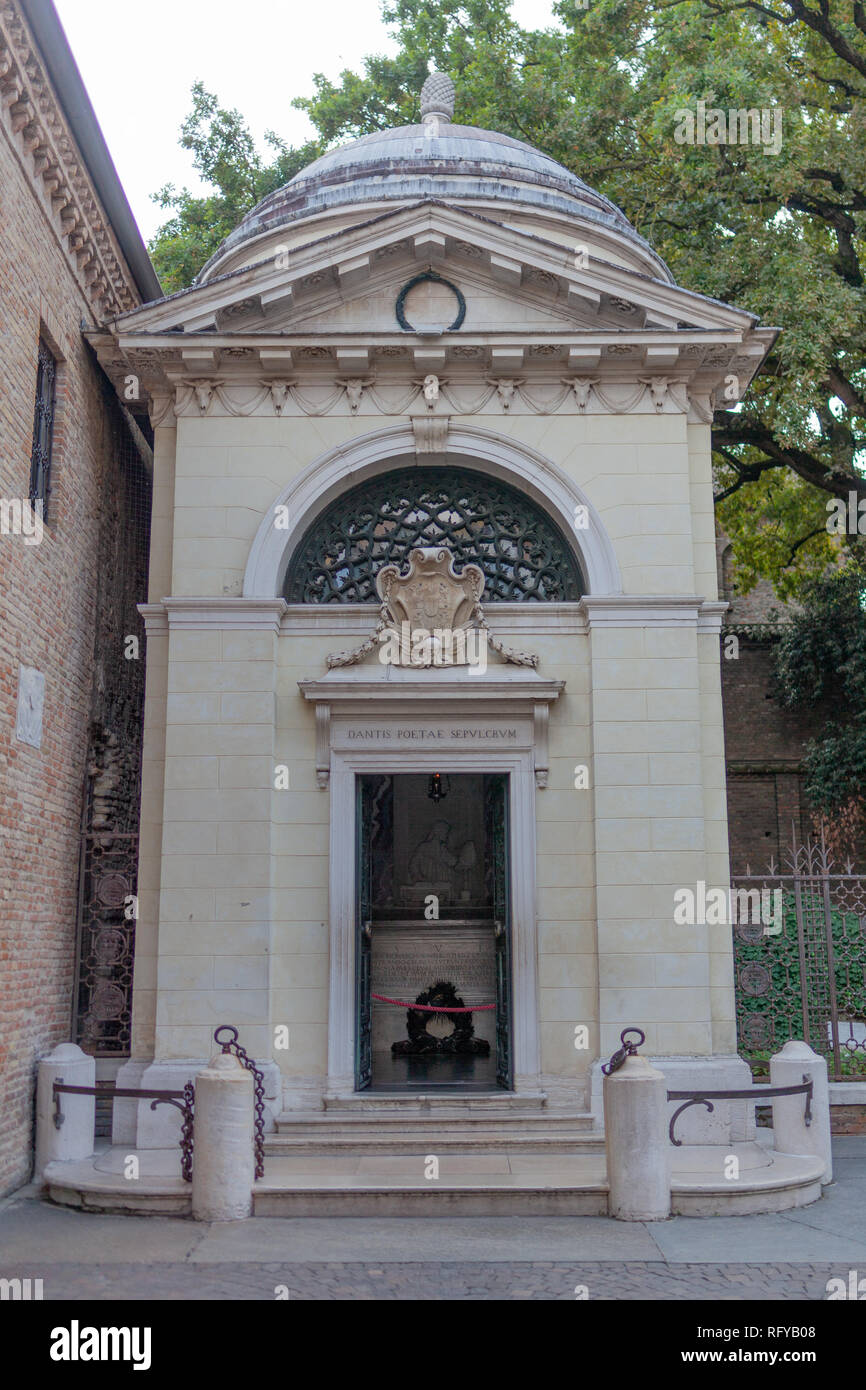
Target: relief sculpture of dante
column 432, row 861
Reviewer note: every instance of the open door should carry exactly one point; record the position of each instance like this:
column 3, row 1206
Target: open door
column 364, row 797
column 497, row 836
column 374, row 796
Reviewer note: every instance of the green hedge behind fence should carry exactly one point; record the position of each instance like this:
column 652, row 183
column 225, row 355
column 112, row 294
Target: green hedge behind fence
column 780, row 1005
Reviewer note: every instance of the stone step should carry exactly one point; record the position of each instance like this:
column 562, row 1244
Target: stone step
column 514, row 1183
column 479, row 1183
column 777, row 1182
column 444, row 1130
column 445, row 1120
column 425, row 1140
column 423, row 1102
column 384, row 1201
column 521, row 1184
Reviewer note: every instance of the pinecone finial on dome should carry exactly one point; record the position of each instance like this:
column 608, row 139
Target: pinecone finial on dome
column 437, row 98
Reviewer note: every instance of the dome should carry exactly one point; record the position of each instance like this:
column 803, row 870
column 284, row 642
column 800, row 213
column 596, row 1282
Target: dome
column 435, row 159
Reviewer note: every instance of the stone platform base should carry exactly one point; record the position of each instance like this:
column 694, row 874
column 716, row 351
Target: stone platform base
column 501, row 1182
column 729, row 1122
column 143, row 1129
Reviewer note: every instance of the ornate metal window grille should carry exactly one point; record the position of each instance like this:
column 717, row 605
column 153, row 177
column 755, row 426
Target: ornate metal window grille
column 524, row 555
column 43, row 427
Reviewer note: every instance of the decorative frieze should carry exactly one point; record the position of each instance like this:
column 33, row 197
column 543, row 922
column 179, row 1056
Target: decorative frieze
column 365, row 396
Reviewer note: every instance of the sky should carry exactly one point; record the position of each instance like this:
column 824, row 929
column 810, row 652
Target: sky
column 139, row 61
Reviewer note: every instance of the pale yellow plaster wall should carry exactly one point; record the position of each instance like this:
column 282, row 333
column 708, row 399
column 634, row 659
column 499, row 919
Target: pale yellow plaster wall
column 215, row 913
column 719, row 940
column 650, row 835
column 244, row 918
column 565, row 867
column 300, row 868
column 635, row 469
column 702, row 512
column 230, row 473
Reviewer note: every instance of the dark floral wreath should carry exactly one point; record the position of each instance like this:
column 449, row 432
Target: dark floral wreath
column 440, row 280
column 463, row 1038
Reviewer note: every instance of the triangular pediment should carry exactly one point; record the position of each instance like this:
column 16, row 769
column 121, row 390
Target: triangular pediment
column 352, row 278
column 489, row 308
column 378, row 295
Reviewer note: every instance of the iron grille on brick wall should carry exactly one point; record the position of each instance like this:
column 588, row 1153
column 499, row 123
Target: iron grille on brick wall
column 43, row 427
column 107, row 889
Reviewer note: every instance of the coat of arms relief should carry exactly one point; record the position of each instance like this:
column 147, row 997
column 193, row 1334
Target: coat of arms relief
column 431, row 615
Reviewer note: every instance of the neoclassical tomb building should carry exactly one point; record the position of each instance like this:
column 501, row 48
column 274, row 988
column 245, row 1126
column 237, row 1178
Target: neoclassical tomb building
column 433, row 694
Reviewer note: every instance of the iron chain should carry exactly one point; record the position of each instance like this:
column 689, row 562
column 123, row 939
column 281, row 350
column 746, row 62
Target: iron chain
column 628, row 1049
column 233, row 1046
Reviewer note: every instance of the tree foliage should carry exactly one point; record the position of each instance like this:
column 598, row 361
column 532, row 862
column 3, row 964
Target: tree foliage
column 821, row 661
column 225, row 156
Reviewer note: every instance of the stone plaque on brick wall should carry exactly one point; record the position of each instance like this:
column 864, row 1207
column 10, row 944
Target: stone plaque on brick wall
column 31, row 700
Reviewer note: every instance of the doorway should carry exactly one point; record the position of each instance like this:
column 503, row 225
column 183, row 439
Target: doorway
column 433, row 932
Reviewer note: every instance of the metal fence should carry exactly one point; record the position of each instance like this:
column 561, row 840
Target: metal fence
column 107, row 910
column 802, row 974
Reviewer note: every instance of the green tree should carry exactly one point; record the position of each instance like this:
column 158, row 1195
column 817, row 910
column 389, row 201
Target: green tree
column 821, row 665
column 225, row 156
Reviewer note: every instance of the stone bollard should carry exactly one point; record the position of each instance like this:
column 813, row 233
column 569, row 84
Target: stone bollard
column 636, row 1142
column 223, row 1165
column 75, row 1137
column 791, row 1134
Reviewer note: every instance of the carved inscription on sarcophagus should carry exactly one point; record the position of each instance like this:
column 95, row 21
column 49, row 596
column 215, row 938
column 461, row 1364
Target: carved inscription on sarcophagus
column 408, row 959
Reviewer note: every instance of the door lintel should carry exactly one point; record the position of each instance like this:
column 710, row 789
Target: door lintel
column 398, row 694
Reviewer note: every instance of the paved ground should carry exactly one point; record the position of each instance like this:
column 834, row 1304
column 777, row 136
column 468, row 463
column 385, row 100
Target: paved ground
column 789, row 1256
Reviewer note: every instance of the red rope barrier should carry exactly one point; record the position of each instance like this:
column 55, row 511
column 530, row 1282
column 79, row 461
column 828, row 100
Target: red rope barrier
column 433, row 1008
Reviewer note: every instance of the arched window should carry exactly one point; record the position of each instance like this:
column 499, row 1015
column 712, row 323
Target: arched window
column 523, row 553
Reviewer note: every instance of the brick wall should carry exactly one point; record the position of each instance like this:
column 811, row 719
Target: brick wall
column 763, row 751
column 763, row 754
column 48, row 608
column 848, row 1119
column 763, row 740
